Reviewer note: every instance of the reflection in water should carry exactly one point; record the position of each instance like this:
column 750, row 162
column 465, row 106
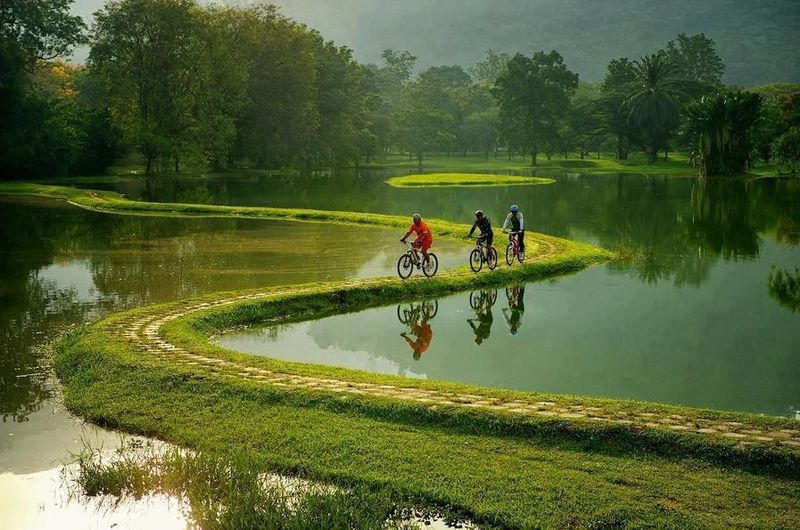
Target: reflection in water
column 481, row 302
column 516, row 307
column 784, row 288
column 417, row 317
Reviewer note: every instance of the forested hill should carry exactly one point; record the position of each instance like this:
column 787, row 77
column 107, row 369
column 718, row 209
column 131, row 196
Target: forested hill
column 758, row 39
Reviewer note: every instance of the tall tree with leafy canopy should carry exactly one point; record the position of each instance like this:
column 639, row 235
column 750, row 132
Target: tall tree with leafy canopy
column 534, row 93
column 148, row 53
column 653, row 106
column 615, row 89
column 722, row 129
column 697, row 60
column 32, row 124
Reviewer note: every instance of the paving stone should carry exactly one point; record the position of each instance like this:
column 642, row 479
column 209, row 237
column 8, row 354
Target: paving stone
column 734, row 435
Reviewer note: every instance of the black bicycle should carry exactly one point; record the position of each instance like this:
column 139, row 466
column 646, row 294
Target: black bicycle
column 482, row 254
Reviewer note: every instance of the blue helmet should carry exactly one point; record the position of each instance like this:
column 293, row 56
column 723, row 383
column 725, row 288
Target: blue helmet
column 514, row 208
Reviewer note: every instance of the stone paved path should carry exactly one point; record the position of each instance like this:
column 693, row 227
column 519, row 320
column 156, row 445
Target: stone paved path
column 144, row 333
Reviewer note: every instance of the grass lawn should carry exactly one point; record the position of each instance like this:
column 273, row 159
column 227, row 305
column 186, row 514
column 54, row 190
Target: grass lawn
column 473, row 180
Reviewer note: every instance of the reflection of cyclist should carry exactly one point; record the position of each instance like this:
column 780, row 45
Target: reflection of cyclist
column 484, row 317
column 516, row 306
column 483, row 224
column 424, row 235
column 423, row 334
column 517, row 225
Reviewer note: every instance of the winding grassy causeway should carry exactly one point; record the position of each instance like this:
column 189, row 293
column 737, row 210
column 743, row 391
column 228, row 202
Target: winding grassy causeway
column 509, row 459
column 478, row 180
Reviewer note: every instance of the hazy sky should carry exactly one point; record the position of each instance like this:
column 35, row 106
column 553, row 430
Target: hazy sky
column 757, row 39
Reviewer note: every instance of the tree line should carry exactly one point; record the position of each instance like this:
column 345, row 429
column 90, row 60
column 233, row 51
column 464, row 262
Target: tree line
column 177, row 82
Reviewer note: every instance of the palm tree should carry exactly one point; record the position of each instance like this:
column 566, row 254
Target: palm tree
column 720, row 127
column 652, row 108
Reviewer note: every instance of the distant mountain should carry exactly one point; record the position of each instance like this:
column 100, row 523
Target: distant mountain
column 758, row 39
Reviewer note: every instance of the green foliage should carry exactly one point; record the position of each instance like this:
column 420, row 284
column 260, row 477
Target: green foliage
column 721, row 128
column 533, row 93
column 40, row 29
column 786, row 149
column 697, row 60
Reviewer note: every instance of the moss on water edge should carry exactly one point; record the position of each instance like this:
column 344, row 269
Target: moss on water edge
column 470, row 180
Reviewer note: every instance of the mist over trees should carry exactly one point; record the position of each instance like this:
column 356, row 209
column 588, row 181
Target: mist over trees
column 177, row 82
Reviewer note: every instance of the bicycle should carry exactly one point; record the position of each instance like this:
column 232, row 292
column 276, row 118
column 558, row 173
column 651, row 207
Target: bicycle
column 482, row 254
column 513, row 250
column 482, row 298
column 411, row 259
column 411, row 313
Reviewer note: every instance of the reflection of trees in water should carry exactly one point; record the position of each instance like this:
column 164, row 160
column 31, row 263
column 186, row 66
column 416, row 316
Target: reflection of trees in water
column 784, row 288
column 33, row 311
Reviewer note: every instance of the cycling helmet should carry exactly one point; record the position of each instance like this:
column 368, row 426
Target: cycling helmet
column 514, row 208
column 416, row 216
column 478, row 213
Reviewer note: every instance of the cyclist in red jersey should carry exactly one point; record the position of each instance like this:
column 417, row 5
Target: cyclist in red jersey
column 424, row 236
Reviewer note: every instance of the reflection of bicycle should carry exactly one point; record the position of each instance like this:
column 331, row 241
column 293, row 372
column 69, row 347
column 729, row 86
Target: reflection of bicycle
column 410, row 313
column 482, row 299
column 513, row 249
column 411, row 259
column 481, row 254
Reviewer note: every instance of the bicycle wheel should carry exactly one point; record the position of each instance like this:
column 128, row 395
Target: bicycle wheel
column 492, row 296
column 474, row 300
column 404, row 266
column 429, row 269
column 475, row 260
column 491, row 258
column 510, row 253
column 403, row 314
column 429, row 309
column 509, row 293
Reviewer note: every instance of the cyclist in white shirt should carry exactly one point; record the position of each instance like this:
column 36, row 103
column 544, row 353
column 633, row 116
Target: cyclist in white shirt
column 514, row 218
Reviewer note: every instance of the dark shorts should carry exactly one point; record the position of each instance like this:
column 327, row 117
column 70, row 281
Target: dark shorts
column 489, row 238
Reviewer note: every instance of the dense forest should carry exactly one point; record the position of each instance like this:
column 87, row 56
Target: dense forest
column 177, row 81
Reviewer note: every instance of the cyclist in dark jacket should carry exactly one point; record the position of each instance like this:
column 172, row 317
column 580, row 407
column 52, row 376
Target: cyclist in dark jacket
column 483, row 224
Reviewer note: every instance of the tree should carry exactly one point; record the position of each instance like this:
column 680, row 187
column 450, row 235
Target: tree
column 34, row 127
column 652, row 108
column 533, row 93
column 487, row 71
column 616, row 88
column 786, row 149
column 40, row 29
column 721, row 127
column 423, row 126
column 148, row 53
column 696, row 59
column 448, row 76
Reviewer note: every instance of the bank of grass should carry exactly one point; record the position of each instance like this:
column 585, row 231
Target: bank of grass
column 677, row 164
column 473, row 180
column 497, row 468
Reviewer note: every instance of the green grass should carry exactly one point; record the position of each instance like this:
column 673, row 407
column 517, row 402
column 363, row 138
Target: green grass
column 474, row 180
column 676, row 165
